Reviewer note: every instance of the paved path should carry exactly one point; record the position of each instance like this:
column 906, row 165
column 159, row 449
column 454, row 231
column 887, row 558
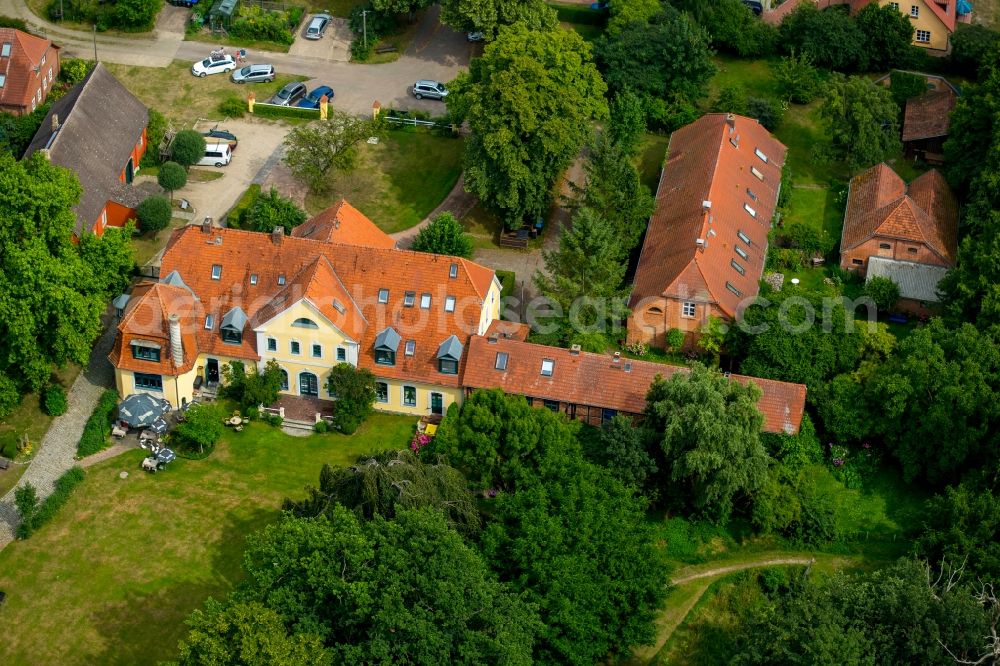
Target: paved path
column 57, row 452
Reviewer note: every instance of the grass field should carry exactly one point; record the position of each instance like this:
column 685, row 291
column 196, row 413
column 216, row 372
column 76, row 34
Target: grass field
column 184, row 98
column 652, row 151
column 399, row 181
column 112, row 578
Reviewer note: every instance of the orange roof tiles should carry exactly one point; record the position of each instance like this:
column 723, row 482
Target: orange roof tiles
column 597, row 380
column 146, row 319
column 22, row 69
column 343, row 223
column 927, row 116
column 720, row 180
column 252, row 265
column 880, row 204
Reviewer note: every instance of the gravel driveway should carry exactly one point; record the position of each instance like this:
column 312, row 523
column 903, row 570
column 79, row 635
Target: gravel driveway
column 334, row 45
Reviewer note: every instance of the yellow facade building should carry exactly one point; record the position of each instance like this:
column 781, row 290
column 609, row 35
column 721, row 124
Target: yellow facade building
column 335, row 291
column 933, row 21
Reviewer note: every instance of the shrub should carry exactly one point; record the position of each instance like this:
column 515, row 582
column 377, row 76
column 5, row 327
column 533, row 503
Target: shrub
column 270, row 210
column 65, row 486
column 675, row 339
column 321, row 427
column 10, row 397
column 98, row 429
column 236, row 214
column 883, row 291
column 252, row 388
column 765, row 111
column 26, row 501
column 444, row 235
column 16, row 23
column 355, row 391
column 233, row 106
column 154, row 214
column 731, row 99
column 970, row 46
column 155, row 129
column 73, row 70
column 251, row 413
column 172, row 176
column 197, row 436
column 255, row 23
column 187, row 148
column 275, row 420
column 54, row 400
column 797, row 78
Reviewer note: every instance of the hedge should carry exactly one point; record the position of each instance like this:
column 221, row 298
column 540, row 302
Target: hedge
column 507, row 283
column 264, row 110
column 98, row 428
column 50, row 507
column 234, row 218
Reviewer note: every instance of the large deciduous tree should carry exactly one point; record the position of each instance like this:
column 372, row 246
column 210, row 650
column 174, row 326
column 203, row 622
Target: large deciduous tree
column 667, row 56
column 399, row 6
column 488, row 16
column 830, row 37
column 583, row 280
column 529, row 102
column 54, row 291
column 409, row 590
column 708, row 428
column 386, row 483
column 888, row 33
column 444, row 235
column 187, row 148
column 354, row 391
column 314, row 152
column 732, row 26
column 963, row 524
column 154, row 214
column 862, row 120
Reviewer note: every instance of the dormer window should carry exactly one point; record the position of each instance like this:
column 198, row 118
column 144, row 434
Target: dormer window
column 449, row 304
column 448, row 356
column 145, row 351
column 425, row 301
column 408, row 299
column 338, row 306
column 453, row 271
column 411, row 348
column 386, row 344
column 253, row 278
column 548, row 365
column 303, row 322
column 232, row 325
column 383, row 295
column 216, row 272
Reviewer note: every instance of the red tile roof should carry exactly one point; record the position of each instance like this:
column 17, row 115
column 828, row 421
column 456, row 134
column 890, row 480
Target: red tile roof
column 881, row 205
column 252, row 264
column 343, row 223
column 146, row 319
column 597, row 380
column 708, row 180
column 927, row 116
column 23, row 69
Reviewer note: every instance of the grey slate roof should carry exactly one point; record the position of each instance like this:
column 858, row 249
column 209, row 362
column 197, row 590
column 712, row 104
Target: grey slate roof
column 387, row 339
column 450, row 349
column 174, row 279
column 916, row 281
column 121, row 301
column 100, row 123
column 235, row 319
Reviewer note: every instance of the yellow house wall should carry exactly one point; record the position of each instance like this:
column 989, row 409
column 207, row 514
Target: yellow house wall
column 491, row 307
column 177, row 389
column 326, row 335
column 423, row 406
column 926, row 21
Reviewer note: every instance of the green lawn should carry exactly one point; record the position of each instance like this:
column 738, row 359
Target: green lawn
column 398, row 182
column 184, row 98
column 652, row 151
column 482, row 226
column 753, row 75
column 112, row 578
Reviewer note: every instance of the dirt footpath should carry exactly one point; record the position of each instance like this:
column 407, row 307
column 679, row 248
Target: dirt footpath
column 256, row 154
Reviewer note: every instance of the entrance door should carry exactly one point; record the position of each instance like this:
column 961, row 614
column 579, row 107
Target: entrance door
column 308, row 384
column 212, row 371
column 129, row 172
column 437, row 403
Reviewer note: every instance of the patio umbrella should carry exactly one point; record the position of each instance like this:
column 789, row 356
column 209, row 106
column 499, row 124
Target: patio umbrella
column 141, row 409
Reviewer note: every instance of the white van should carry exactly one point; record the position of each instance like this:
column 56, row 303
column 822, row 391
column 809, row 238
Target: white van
column 216, row 154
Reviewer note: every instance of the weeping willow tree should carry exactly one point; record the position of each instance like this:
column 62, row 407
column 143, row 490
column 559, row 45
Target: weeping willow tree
column 384, row 483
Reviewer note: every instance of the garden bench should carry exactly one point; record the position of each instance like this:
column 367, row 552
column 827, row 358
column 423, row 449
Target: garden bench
column 4, row 463
column 386, row 49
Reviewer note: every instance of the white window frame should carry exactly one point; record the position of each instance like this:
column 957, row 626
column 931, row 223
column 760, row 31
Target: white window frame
column 402, row 393
column 425, row 301
column 750, row 209
column 449, row 304
column 743, row 237
column 914, row 11
column 410, row 348
column 739, row 267
column 216, row 271
column 501, row 356
column 383, row 296
column 548, row 367
column 731, row 287
column 760, row 153
column 743, row 253
column 408, row 299
column 341, row 354
column 757, row 173
column 209, row 322
column 925, row 33
column 688, row 309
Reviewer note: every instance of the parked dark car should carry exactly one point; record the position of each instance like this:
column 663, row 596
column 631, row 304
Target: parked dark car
column 221, row 135
column 311, row 101
column 289, row 94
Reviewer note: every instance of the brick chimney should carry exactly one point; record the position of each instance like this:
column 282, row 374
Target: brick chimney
column 277, row 235
column 55, row 123
column 206, row 225
column 176, row 345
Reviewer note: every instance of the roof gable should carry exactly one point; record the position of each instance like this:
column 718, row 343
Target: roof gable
column 719, row 185
column 100, row 122
column 22, row 69
column 343, row 223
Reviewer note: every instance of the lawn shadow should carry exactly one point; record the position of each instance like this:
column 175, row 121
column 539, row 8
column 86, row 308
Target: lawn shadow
column 148, row 624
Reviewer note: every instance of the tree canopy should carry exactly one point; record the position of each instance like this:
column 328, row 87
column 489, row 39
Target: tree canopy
column 54, row 290
column 521, row 142
column 270, row 210
column 172, row 176
column 488, row 16
column 862, row 120
column 354, row 391
column 830, row 38
column 732, row 26
column 887, row 32
column 154, row 214
column 187, row 148
column 708, row 429
column 314, row 152
column 444, row 235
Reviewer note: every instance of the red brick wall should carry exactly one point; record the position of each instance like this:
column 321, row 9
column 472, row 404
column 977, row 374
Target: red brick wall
column 651, row 327
column 898, row 250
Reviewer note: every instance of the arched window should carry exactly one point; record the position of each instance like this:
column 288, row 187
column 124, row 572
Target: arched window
column 655, row 311
column 302, row 322
column 284, row 379
column 308, row 384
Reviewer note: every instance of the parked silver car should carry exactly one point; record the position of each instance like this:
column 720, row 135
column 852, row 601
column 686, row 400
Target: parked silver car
column 290, row 94
column 429, row 89
column 317, row 26
column 254, row 74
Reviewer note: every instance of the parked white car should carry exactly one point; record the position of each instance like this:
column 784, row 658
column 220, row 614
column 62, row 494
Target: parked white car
column 211, row 65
